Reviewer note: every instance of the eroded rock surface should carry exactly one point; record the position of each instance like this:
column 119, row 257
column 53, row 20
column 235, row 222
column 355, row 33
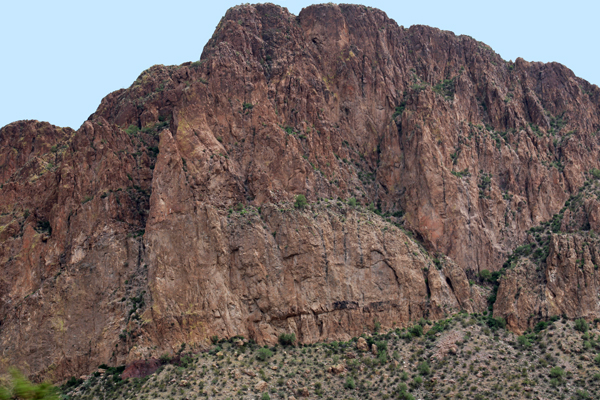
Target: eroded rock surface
column 167, row 218
column 556, row 272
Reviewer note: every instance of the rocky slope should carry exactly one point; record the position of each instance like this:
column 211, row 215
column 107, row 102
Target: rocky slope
column 460, row 357
column 556, row 271
column 167, row 218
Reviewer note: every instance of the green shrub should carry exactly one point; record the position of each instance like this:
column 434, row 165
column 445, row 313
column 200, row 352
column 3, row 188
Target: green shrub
column 19, row 387
column 264, row 353
column 132, row 130
column 72, row 382
column 287, row 339
column 371, row 207
column 495, row 323
column 403, row 393
column 265, row 396
column 540, row 326
column 582, row 395
column 350, row 384
column 352, row 202
column 557, row 373
column 187, row 361
column 423, row 368
column 524, row 341
column 485, row 275
column 418, row 381
column 581, row 325
column 377, row 326
column 301, row 201
column 416, row 330
column 595, row 172
column 399, row 110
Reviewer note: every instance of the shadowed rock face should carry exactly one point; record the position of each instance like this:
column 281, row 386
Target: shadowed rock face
column 167, row 217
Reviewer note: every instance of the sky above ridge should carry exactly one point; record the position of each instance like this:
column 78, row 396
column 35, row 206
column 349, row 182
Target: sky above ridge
column 60, row 58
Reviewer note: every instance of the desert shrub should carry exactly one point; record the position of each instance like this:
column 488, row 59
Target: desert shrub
column 582, row 395
column 581, row 325
column 403, row 393
column 416, row 330
column 439, row 326
column 132, row 130
column 399, row 110
column 382, row 347
column 524, row 341
column 424, row 368
column 557, row 373
column 287, row 339
column 418, row 381
column 540, row 326
column 264, row 353
column 485, row 275
column 187, row 361
column 496, row 323
column 377, row 326
column 72, row 382
column 301, row 201
column 350, row 384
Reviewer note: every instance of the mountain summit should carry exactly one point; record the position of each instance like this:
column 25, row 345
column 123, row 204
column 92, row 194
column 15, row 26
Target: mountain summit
column 176, row 213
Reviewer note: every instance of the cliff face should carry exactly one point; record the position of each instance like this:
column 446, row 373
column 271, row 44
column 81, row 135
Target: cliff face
column 556, row 271
column 167, row 217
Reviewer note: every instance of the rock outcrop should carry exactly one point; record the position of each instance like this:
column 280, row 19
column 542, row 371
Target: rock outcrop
column 556, row 272
column 168, row 217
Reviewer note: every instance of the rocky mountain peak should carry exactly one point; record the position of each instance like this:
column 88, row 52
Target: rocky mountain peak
column 169, row 217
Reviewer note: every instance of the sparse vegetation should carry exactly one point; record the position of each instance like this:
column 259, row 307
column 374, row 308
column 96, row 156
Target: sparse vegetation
column 457, row 357
column 287, row 339
column 301, row 201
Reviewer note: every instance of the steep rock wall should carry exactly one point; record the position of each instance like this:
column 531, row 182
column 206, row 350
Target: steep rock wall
column 122, row 240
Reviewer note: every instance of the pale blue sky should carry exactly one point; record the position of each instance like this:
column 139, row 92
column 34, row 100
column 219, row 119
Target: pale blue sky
column 61, row 57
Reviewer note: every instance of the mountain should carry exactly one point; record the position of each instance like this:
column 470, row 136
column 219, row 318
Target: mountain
column 176, row 212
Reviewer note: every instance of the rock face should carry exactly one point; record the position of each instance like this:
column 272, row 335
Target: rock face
column 167, row 218
column 559, row 277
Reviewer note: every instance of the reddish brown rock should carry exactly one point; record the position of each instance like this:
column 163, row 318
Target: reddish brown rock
column 140, row 369
column 568, row 284
column 167, row 218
